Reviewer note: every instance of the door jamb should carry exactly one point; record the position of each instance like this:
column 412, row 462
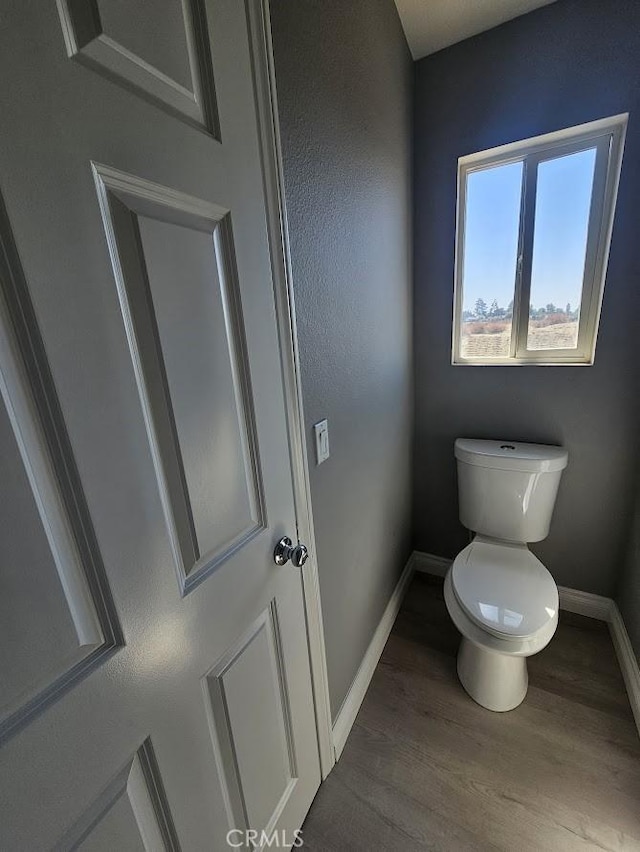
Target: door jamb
column 263, row 70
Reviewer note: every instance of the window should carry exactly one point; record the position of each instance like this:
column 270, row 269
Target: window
column 533, row 230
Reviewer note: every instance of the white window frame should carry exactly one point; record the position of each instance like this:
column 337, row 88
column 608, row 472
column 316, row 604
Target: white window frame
column 607, row 136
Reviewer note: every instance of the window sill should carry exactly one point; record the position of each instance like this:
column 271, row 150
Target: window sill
column 523, row 362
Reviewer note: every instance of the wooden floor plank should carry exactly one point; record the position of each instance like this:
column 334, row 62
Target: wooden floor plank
column 426, row 768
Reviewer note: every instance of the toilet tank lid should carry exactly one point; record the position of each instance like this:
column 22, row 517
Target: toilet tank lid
column 511, row 455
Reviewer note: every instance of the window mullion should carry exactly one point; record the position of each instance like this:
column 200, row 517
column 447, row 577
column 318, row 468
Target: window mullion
column 525, row 258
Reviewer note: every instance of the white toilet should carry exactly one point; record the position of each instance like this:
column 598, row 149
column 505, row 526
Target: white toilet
column 499, row 595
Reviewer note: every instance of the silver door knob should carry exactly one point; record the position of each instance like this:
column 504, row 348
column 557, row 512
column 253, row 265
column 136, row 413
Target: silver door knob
column 286, row 550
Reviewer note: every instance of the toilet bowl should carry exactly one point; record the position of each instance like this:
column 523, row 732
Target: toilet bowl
column 504, row 602
column 499, row 595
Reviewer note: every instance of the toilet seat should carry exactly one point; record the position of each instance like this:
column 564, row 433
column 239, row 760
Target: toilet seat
column 504, row 589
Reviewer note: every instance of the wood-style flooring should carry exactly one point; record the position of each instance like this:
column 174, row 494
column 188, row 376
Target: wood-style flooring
column 426, row 768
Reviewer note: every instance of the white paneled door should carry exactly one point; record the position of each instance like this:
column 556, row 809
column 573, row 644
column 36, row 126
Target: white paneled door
column 155, row 689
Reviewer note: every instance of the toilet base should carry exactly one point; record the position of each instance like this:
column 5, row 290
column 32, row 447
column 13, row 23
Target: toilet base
column 496, row 681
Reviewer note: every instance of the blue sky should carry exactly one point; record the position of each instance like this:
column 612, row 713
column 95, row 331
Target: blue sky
column 491, row 231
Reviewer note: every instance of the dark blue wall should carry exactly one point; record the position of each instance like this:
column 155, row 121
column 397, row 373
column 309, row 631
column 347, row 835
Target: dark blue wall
column 568, row 63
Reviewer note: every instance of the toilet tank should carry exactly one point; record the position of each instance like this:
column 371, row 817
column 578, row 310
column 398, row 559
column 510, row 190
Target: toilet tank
column 507, row 490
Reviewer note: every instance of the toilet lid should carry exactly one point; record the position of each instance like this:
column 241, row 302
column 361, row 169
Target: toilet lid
column 504, row 589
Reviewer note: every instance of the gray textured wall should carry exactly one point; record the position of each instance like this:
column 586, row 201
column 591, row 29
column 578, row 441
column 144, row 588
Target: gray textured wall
column 628, row 594
column 344, row 79
column 570, row 62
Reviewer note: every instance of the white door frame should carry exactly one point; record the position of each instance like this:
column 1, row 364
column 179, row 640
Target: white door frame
column 267, row 107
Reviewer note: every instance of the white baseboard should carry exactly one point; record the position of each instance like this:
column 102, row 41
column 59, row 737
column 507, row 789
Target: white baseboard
column 627, row 659
column 582, row 603
column 350, row 706
column 427, row 563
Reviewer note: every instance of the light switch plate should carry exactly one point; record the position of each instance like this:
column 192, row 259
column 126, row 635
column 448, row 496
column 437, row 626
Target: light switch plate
column 321, row 431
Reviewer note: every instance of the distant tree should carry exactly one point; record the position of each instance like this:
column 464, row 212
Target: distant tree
column 467, row 315
column 551, row 308
column 568, row 308
column 494, row 310
column 481, row 309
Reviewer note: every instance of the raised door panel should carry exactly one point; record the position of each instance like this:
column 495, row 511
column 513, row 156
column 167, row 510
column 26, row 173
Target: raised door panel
column 56, row 617
column 131, row 814
column 174, row 265
column 153, row 30
column 186, row 291
column 158, row 48
column 38, row 637
column 250, row 721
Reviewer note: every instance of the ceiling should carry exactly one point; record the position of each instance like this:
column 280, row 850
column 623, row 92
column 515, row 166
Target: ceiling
column 430, row 25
